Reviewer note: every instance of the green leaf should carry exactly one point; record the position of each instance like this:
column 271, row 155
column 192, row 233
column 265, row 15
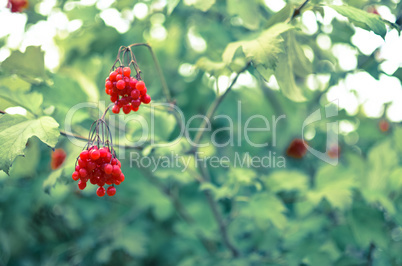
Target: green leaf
column 16, row 130
column 334, row 184
column 203, row 5
column 30, row 101
column 211, row 67
column 301, row 64
column 286, row 181
column 64, row 94
column 263, row 50
column 248, row 11
column 292, row 62
column 286, row 79
column 171, row 5
column 52, row 179
column 281, row 16
column 266, row 208
column 382, row 160
column 362, row 19
column 30, row 64
column 367, row 226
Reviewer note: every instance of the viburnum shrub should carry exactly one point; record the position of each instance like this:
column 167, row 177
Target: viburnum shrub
column 126, row 92
column 97, row 162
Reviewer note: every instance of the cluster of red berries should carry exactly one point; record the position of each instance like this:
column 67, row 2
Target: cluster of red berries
column 100, row 167
column 58, row 157
column 17, row 5
column 125, row 92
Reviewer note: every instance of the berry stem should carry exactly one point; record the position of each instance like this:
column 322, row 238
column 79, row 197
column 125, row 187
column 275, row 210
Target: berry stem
column 165, row 87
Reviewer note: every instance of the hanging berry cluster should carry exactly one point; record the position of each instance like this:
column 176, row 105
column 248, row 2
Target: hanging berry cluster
column 126, row 92
column 97, row 163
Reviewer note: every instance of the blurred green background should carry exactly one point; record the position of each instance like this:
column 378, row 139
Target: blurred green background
column 57, row 54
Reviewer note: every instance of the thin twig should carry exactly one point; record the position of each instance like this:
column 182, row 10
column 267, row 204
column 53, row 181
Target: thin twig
column 297, row 11
column 222, row 226
column 215, row 106
column 204, row 172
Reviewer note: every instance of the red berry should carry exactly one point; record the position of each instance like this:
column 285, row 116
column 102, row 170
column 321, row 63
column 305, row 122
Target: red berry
column 126, row 109
column 122, row 177
column 140, row 85
column 119, row 77
column 82, row 163
column 81, row 184
column 91, row 166
column 144, row 91
column 124, row 101
column 116, row 170
column 83, row 173
column 135, row 94
column 120, row 84
column 84, row 155
column 383, row 125
column 146, row 99
column 116, row 109
column 133, row 82
column 77, row 168
column 109, row 85
column 334, row 151
column 100, row 191
column 58, row 157
column 127, row 71
column 94, row 154
column 75, row 176
column 111, row 191
column 297, row 149
column 114, row 97
column 93, row 180
column 112, row 76
column 108, row 169
column 103, row 152
column 136, row 102
column 135, row 109
column 108, row 157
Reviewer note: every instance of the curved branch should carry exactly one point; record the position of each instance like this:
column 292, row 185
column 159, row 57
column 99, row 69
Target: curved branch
column 215, row 106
